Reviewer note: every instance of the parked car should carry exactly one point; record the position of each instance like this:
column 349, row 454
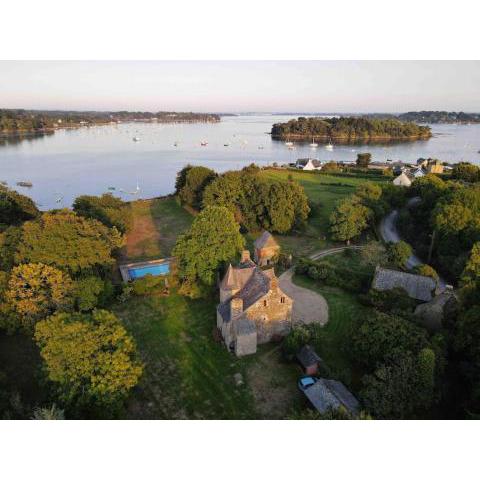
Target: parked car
column 306, row 382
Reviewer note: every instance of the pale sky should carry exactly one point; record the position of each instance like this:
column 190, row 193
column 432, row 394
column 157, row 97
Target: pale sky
column 260, row 86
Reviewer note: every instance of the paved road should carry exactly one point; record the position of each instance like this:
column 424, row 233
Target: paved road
column 308, row 306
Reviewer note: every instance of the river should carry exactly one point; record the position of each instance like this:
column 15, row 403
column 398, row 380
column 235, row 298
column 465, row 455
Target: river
column 91, row 160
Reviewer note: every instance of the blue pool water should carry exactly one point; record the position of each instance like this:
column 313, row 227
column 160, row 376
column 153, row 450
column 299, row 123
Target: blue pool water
column 139, row 272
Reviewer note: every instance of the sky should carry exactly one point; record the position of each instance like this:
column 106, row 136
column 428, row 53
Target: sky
column 242, row 86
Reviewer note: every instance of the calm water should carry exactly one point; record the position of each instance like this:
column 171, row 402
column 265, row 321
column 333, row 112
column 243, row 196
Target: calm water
column 90, row 160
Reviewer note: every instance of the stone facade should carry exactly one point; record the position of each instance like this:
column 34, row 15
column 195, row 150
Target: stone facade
column 266, row 249
column 253, row 309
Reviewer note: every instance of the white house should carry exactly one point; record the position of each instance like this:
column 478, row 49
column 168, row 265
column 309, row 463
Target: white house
column 308, row 164
column 402, row 180
column 418, row 173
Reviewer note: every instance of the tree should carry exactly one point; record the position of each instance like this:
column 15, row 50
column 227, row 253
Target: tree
column 16, row 208
column 9, row 240
column 213, row 238
column 181, row 178
column 380, row 336
column 36, row 290
column 427, row 271
column 398, row 253
column 68, row 241
column 373, row 253
column 471, row 273
column 88, row 292
column 363, row 159
column 349, row 219
column 400, row 388
column 196, row 179
column 111, row 211
column 466, row 171
column 90, row 357
column 48, row 413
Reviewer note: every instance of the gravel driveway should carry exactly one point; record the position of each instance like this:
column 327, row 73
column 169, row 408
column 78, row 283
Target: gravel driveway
column 308, row 306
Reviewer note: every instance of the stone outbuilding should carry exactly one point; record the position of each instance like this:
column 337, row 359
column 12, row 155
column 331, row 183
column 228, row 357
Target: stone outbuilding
column 253, row 309
column 309, row 360
column 266, row 249
column 326, row 394
column 433, row 314
column 418, row 287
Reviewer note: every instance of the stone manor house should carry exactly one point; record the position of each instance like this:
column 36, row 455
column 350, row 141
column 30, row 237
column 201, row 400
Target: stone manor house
column 253, row 309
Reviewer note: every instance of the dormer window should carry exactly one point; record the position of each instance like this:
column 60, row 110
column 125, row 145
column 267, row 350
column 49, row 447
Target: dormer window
column 282, row 299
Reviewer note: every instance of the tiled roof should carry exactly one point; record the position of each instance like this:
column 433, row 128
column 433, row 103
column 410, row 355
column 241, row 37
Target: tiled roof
column 307, row 356
column 265, row 240
column 327, row 395
column 418, row 287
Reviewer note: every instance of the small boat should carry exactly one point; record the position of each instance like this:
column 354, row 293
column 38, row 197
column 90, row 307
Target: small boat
column 260, row 147
column 289, row 144
column 203, row 144
column 25, row 184
column 329, row 146
column 59, row 199
column 175, row 144
column 291, row 147
column 226, row 144
column 111, row 188
column 313, row 144
column 136, row 139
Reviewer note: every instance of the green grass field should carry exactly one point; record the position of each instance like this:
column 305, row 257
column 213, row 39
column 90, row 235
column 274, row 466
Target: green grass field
column 344, row 308
column 190, row 374
column 156, row 226
column 323, row 192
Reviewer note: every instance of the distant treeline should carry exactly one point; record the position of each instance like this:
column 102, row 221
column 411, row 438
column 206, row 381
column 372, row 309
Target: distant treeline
column 17, row 121
column 349, row 129
column 430, row 116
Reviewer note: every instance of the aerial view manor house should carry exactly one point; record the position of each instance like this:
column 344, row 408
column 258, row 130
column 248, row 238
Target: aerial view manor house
column 253, row 309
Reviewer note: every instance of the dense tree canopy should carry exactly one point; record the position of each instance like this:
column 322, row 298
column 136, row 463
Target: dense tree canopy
column 398, row 253
column 350, row 128
column 258, row 202
column 191, row 182
column 213, row 238
column 36, row 291
column 466, row 171
column 16, row 208
column 349, row 219
column 90, row 357
column 68, row 241
column 110, row 210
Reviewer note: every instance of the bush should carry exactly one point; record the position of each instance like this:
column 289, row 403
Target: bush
column 398, row 253
column 427, row 271
column 394, row 301
column 149, row 285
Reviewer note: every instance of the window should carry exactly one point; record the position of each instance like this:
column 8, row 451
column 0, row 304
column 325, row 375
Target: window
column 265, row 303
column 282, row 299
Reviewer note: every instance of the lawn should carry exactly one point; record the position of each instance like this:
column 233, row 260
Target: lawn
column 324, row 192
column 190, row 374
column 343, row 308
column 156, row 225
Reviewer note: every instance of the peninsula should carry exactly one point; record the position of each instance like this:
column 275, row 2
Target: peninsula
column 29, row 121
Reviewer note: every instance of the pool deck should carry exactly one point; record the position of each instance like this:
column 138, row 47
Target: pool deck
column 124, row 268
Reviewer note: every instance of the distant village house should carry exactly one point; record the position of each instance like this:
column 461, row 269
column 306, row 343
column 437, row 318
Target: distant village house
column 308, row 164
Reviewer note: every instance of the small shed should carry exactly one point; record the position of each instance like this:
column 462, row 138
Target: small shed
column 309, row 360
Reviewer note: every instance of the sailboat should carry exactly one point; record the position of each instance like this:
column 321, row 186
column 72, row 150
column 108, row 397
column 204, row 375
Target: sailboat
column 329, row 145
column 313, row 144
column 288, row 143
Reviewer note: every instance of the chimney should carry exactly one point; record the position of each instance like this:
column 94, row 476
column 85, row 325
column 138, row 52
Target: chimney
column 274, row 282
column 245, row 256
column 236, row 307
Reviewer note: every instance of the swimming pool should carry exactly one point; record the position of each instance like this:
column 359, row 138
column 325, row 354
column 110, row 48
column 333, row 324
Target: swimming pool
column 155, row 270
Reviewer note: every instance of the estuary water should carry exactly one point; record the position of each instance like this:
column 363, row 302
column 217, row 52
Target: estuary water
column 95, row 160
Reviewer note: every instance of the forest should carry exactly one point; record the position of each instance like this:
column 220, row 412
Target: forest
column 21, row 121
column 349, row 129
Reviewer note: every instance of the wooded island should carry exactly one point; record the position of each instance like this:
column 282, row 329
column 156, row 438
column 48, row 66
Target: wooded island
column 349, row 129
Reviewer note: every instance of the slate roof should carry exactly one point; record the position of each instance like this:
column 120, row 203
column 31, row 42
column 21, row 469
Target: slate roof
column 327, row 395
column 307, row 356
column 237, row 277
column 418, row 287
column 265, row 240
